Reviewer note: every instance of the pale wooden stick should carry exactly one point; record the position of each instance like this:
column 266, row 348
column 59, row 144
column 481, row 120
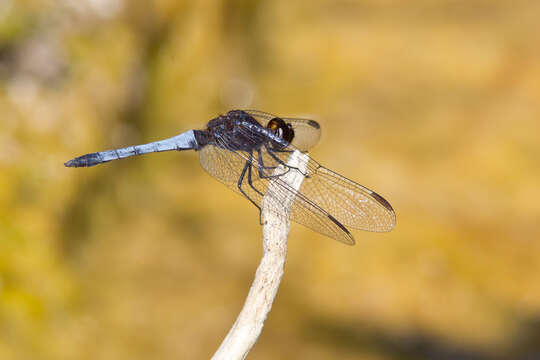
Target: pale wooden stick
column 275, row 215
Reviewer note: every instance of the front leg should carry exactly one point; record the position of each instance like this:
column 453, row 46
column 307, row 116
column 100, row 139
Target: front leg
column 262, row 166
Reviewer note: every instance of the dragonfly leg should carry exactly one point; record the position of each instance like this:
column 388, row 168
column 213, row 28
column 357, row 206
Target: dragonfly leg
column 261, row 162
column 261, row 175
column 250, row 182
column 241, row 180
column 262, row 166
column 284, row 151
column 271, row 152
column 250, row 178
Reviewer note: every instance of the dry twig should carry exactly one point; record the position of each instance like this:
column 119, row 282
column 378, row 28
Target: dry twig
column 275, row 216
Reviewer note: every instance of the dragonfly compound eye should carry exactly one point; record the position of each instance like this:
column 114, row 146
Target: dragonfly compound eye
column 281, row 128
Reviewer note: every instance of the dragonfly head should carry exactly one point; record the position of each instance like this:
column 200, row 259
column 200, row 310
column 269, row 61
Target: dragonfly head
column 281, row 129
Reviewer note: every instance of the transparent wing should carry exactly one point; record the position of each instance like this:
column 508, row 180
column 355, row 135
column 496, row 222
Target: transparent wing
column 326, row 201
column 306, row 132
column 346, row 201
column 350, row 203
column 255, row 171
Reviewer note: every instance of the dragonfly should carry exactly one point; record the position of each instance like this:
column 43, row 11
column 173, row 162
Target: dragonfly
column 248, row 149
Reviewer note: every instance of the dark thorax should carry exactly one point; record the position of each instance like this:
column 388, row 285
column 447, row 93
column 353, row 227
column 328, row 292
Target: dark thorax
column 239, row 131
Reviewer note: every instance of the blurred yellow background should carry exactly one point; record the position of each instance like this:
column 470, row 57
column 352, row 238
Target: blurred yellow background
column 433, row 104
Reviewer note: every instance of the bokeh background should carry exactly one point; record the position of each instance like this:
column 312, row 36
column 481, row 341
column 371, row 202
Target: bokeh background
column 434, row 104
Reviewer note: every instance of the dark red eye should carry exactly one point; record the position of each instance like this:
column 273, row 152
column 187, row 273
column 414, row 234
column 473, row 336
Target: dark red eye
column 281, row 128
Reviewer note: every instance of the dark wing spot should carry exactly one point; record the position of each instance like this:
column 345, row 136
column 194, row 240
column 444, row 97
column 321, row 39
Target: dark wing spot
column 382, row 201
column 340, row 225
column 314, row 124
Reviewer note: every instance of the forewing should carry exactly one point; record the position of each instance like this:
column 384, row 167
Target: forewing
column 227, row 166
column 350, row 203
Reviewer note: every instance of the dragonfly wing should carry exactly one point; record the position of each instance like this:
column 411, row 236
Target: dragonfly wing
column 352, row 204
column 227, row 167
column 348, row 202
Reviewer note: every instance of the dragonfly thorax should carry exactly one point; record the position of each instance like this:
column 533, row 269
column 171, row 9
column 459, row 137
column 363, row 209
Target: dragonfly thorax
column 238, row 130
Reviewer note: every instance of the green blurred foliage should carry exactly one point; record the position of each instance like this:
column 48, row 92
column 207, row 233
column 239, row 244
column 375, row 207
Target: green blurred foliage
column 434, row 104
